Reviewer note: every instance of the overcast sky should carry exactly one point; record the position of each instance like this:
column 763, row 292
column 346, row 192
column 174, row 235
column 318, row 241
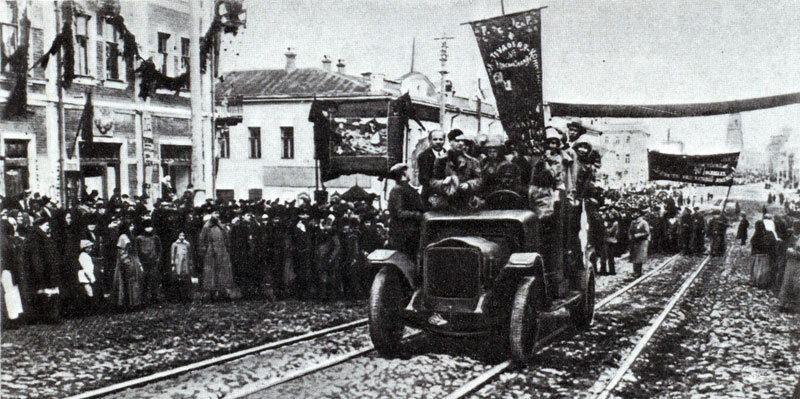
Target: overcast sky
column 610, row 51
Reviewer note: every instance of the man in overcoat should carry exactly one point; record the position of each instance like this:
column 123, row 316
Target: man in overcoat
column 405, row 208
column 639, row 235
column 426, row 159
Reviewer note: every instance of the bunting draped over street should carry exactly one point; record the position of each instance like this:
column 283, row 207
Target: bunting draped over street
column 712, row 169
column 511, row 47
column 671, row 110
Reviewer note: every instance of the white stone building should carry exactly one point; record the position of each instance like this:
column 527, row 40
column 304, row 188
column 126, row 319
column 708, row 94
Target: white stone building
column 267, row 143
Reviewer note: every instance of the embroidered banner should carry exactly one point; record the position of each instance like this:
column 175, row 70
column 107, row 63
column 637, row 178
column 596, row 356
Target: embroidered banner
column 511, row 47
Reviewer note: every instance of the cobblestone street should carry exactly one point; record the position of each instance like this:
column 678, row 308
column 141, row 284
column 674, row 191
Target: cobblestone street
column 85, row 353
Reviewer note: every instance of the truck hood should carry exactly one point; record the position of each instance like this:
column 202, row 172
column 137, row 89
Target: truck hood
column 491, row 252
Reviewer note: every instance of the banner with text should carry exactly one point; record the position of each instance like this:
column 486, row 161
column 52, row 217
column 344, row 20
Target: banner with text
column 713, row 169
column 511, row 47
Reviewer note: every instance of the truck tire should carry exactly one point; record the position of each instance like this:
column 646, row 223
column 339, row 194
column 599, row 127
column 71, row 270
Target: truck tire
column 523, row 324
column 582, row 313
column 388, row 295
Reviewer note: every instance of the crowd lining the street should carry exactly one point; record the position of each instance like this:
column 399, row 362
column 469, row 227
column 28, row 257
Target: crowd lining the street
column 118, row 255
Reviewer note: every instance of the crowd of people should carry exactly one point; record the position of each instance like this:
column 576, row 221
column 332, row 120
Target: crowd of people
column 775, row 251
column 120, row 255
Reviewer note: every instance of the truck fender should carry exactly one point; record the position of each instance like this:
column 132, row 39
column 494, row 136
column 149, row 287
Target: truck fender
column 519, row 265
column 393, row 258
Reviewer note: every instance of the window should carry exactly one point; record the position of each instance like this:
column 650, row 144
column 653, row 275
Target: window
column 255, row 142
column 113, row 55
column 224, row 139
column 163, row 50
column 287, row 142
column 8, row 39
column 82, row 45
column 627, row 158
column 184, row 54
column 627, row 139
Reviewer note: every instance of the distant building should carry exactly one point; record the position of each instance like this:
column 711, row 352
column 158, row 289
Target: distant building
column 777, row 157
column 733, row 136
column 624, row 148
column 266, row 143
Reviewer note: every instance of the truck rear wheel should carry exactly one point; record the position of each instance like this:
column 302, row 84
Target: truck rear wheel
column 582, row 313
column 523, row 323
column 387, row 297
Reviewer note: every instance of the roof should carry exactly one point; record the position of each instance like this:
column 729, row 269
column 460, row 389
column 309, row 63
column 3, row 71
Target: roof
column 302, row 82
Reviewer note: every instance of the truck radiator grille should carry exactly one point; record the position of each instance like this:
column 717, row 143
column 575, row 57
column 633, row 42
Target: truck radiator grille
column 452, row 272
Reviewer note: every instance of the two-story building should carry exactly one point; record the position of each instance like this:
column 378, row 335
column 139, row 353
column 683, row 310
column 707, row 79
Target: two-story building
column 266, row 143
column 136, row 141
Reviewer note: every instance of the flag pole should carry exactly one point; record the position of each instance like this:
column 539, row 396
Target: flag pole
column 726, row 198
column 62, row 184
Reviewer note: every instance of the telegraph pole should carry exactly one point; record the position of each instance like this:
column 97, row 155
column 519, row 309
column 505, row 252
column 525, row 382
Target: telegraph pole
column 195, row 86
column 62, row 140
column 442, row 72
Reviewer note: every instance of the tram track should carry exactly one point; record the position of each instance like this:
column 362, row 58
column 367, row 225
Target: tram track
column 510, row 366
column 482, row 379
column 280, row 379
column 175, row 372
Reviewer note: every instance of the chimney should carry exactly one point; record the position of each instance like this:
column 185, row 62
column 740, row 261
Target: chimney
column 340, row 66
column 376, row 83
column 326, row 63
column 290, row 60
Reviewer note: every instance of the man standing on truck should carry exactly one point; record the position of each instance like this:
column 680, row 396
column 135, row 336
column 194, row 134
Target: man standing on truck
column 405, row 207
column 456, row 177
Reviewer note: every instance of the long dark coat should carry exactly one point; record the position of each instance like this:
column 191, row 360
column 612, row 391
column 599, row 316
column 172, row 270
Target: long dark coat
column 405, row 208
column 217, row 271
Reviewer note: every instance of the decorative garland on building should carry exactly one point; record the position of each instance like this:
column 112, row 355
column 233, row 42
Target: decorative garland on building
column 63, row 41
column 16, row 105
column 152, row 78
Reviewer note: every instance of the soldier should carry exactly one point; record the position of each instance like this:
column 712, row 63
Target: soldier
column 639, row 235
column 405, row 207
column 717, row 228
column 490, row 165
column 44, row 261
column 698, row 232
column 457, row 177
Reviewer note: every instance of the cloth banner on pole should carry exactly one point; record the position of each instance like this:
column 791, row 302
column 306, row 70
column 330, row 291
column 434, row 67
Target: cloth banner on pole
column 511, row 47
column 713, row 169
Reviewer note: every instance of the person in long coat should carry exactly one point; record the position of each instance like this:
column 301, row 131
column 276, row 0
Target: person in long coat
column 128, row 272
column 762, row 246
column 717, row 228
column 45, row 268
column 790, row 289
column 639, row 235
column 181, row 270
column 741, row 231
column 217, row 270
column 405, row 208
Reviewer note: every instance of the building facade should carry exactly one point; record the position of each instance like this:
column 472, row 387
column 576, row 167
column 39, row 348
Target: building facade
column 267, row 143
column 624, row 149
column 135, row 141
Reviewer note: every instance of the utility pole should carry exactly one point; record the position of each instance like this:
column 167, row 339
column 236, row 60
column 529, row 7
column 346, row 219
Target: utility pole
column 442, row 72
column 195, row 86
column 62, row 139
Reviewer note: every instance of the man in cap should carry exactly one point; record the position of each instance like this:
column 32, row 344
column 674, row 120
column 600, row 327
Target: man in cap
column 405, row 208
column 639, row 236
column 490, row 164
column 457, row 177
column 149, row 248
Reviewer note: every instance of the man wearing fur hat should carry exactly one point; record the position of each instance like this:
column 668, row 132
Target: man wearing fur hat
column 405, row 207
column 457, row 177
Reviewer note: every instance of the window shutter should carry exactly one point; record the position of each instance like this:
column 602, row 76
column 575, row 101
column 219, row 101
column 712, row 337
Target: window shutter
column 37, row 49
column 101, row 56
